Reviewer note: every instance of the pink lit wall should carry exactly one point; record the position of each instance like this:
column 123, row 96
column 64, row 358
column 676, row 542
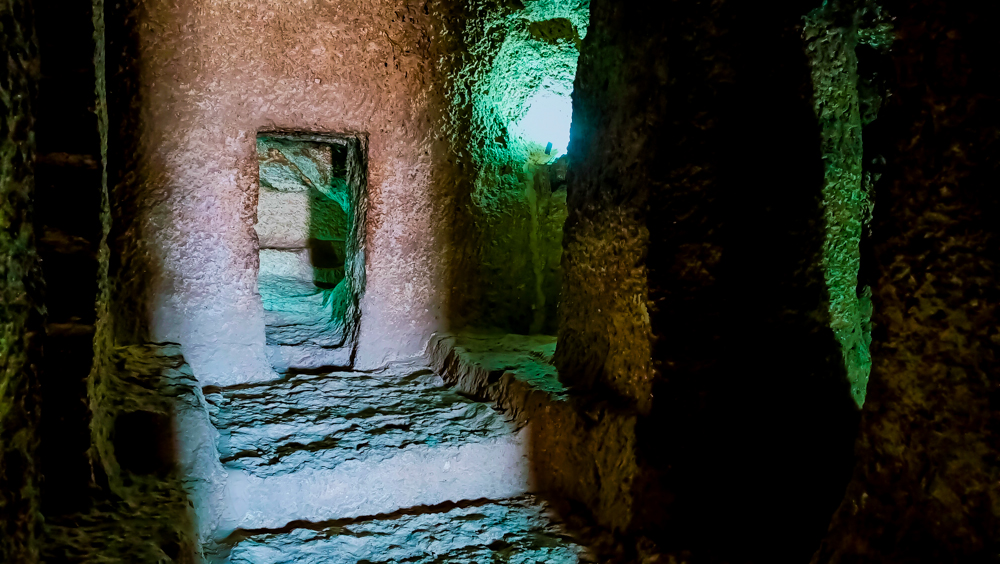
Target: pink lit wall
column 214, row 73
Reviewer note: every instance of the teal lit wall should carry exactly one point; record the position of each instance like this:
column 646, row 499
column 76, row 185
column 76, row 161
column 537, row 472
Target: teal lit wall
column 843, row 110
column 515, row 89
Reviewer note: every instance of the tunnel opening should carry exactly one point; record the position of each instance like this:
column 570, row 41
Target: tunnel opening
column 308, row 230
column 519, row 113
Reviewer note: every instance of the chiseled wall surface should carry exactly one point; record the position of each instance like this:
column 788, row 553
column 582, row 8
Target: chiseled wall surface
column 509, row 97
column 209, row 76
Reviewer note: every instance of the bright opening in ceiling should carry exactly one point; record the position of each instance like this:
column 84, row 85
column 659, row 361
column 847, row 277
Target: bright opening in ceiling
column 547, row 121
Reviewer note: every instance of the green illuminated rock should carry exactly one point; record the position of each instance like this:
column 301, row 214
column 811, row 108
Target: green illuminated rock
column 926, row 487
column 847, row 202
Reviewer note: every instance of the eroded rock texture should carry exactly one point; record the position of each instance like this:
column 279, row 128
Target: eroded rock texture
column 346, row 444
column 145, row 401
column 510, row 88
column 927, row 485
column 846, row 98
column 693, row 276
column 518, row 530
column 309, row 236
column 714, row 325
column 21, row 310
column 191, row 86
column 584, row 455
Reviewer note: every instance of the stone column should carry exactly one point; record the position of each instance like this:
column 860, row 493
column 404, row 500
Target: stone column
column 927, row 484
column 694, row 289
column 21, row 312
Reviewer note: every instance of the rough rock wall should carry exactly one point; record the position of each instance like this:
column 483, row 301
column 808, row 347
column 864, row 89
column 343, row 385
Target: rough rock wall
column 146, row 403
column 926, row 485
column 604, row 325
column 846, row 100
column 197, row 80
column 104, row 339
column 694, row 286
column 510, row 84
column 140, row 510
column 21, row 312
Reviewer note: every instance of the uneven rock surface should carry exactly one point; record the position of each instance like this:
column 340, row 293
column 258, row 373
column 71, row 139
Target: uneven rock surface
column 701, row 303
column 345, row 444
column 147, row 399
column 189, row 165
column 484, row 356
column 387, row 466
column 518, row 530
column 580, row 451
column 512, row 100
column 926, row 487
column 304, row 325
column 304, row 219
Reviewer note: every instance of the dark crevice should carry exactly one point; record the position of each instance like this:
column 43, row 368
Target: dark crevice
column 444, row 507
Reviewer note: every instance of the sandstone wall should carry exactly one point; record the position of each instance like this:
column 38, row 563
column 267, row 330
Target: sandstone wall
column 196, row 81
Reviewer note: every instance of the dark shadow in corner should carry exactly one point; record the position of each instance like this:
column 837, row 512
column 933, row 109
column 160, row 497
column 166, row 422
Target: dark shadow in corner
column 749, row 444
column 751, row 438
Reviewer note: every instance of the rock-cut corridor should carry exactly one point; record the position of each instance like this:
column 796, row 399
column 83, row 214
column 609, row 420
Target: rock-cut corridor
column 385, row 466
column 499, row 281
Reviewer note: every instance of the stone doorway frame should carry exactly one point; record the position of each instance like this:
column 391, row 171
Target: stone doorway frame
column 355, row 264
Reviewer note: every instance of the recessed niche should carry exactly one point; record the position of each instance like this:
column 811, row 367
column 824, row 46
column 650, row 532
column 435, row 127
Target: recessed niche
column 309, row 235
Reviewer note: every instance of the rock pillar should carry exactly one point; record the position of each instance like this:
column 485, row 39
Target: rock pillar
column 927, row 484
column 694, row 289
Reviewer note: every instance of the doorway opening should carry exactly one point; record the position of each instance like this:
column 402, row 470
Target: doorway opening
column 310, row 229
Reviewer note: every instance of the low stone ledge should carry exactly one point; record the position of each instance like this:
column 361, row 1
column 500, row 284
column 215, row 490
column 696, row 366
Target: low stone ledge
column 587, row 455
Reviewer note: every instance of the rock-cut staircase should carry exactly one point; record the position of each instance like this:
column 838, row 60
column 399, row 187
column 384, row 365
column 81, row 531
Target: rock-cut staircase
column 386, row 466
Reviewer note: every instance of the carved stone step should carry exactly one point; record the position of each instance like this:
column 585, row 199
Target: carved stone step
column 518, row 530
column 345, row 444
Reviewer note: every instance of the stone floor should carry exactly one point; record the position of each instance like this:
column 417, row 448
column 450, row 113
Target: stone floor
column 385, row 466
column 302, row 327
column 341, row 467
column 516, row 530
